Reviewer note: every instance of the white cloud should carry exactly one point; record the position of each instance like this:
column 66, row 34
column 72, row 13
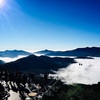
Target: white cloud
column 87, row 73
column 8, row 59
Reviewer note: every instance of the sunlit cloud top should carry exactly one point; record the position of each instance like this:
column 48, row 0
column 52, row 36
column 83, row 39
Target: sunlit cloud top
column 87, row 73
column 8, row 59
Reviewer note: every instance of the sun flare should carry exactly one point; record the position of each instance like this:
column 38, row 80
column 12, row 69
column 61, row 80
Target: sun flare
column 2, row 2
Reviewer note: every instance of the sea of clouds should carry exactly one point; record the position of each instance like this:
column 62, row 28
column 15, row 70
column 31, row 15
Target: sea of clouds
column 8, row 59
column 87, row 73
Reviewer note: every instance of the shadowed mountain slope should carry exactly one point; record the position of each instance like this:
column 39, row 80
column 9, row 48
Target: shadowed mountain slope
column 36, row 64
column 2, row 62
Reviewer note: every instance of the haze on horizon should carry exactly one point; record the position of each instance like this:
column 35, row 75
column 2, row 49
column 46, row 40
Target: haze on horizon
column 49, row 24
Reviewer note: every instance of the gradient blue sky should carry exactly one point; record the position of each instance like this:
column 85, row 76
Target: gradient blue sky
column 49, row 24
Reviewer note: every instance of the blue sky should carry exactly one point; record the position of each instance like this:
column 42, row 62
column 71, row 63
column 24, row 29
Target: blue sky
column 49, row 24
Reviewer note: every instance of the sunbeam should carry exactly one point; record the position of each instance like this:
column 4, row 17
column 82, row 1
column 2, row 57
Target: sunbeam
column 2, row 3
column 9, row 13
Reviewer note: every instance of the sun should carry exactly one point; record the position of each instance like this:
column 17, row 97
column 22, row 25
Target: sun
column 2, row 2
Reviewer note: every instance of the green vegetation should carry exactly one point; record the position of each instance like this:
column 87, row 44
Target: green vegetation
column 77, row 92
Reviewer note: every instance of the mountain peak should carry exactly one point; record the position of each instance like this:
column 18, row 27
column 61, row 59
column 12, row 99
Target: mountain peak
column 46, row 51
column 13, row 53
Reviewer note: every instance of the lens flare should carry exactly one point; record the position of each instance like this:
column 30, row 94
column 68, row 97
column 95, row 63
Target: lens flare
column 9, row 11
column 2, row 2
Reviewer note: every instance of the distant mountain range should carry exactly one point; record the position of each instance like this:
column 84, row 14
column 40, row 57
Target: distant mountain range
column 37, row 64
column 40, row 64
column 44, row 52
column 13, row 53
column 79, row 52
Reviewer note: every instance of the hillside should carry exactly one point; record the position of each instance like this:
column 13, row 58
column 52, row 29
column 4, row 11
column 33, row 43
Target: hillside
column 37, row 64
column 2, row 62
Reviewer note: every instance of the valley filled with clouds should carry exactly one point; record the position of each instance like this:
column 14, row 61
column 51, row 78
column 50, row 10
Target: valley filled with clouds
column 9, row 59
column 87, row 73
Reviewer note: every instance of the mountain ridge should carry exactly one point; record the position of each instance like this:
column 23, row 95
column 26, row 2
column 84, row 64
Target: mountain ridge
column 13, row 53
column 86, row 51
column 37, row 64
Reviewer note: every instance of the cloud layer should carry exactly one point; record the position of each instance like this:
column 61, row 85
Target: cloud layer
column 8, row 59
column 87, row 73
